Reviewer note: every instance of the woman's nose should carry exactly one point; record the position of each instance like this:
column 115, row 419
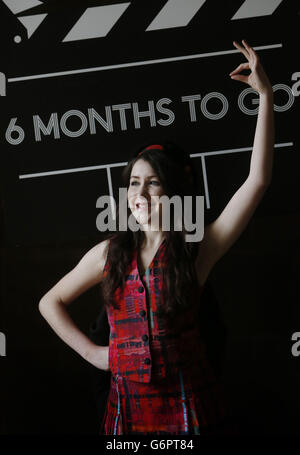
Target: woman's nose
column 142, row 190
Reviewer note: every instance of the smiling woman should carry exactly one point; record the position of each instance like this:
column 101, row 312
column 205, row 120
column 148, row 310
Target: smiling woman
column 152, row 280
column 154, row 171
column 143, row 277
column 143, row 194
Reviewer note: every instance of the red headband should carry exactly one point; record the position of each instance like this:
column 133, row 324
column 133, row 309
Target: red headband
column 187, row 168
column 156, row 146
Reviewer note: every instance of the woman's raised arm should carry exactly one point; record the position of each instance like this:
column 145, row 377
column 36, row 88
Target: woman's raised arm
column 226, row 229
column 263, row 146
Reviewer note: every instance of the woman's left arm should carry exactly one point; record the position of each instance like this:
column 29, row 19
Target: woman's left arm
column 225, row 230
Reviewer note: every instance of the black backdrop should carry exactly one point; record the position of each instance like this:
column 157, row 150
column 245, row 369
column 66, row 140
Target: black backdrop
column 76, row 84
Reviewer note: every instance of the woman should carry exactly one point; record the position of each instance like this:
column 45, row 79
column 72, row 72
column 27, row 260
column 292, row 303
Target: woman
column 152, row 280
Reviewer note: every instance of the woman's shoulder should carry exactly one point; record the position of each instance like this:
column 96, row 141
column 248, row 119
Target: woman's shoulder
column 96, row 257
column 103, row 248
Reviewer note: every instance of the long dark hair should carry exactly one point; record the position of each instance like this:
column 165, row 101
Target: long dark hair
column 178, row 176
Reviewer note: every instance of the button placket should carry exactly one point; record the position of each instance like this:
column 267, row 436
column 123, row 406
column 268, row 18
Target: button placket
column 143, row 295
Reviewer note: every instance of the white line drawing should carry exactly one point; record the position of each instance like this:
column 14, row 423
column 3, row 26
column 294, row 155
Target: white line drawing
column 139, row 63
column 256, row 8
column 222, row 152
column 201, row 155
column 96, row 22
column 71, row 171
column 176, row 13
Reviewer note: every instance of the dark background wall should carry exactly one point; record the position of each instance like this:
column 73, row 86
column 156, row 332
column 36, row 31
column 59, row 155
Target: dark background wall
column 138, row 56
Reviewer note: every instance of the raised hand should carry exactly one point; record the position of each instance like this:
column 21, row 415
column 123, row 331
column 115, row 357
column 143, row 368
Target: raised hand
column 257, row 79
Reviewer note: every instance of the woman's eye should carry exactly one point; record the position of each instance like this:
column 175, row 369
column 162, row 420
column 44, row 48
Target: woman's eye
column 152, row 181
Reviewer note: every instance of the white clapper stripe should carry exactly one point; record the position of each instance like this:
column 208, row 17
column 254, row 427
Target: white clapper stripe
column 176, row 13
column 256, row 8
column 96, row 22
column 17, row 6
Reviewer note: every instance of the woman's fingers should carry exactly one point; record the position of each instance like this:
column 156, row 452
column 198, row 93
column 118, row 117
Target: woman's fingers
column 242, row 49
column 250, row 50
column 257, row 79
column 240, row 77
column 242, row 66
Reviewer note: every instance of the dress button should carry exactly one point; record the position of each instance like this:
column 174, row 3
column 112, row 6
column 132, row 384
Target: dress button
column 141, row 289
column 147, row 361
column 142, row 312
column 145, row 337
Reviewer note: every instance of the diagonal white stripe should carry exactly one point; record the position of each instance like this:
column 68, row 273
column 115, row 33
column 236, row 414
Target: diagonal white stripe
column 72, row 170
column 96, row 22
column 17, row 6
column 242, row 149
column 132, row 64
column 255, row 8
column 176, row 13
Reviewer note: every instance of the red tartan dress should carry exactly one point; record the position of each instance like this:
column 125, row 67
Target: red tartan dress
column 161, row 381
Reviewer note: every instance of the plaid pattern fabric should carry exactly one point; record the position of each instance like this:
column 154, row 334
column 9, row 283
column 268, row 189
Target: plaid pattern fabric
column 177, row 405
column 142, row 346
column 161, row 381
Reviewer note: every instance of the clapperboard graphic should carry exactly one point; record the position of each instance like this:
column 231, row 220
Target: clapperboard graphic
column 87, row 79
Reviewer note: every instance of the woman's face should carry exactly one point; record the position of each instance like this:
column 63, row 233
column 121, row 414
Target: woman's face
column 143, row 193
